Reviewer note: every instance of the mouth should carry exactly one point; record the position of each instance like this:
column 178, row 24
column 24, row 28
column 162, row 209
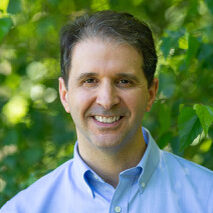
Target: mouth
column 107, row 120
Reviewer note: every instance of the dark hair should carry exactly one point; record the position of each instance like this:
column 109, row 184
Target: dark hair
column 120, row 27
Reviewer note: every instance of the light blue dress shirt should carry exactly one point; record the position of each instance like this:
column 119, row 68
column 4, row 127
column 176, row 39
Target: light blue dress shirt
column 161, row 183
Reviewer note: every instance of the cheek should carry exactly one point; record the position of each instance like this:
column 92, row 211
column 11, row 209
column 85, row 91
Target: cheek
column 80, row 101
column 136, row 101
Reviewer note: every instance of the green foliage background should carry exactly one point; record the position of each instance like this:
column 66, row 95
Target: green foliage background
column 35, row 133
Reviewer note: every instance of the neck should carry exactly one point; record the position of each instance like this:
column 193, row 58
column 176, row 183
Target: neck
column 108, row 165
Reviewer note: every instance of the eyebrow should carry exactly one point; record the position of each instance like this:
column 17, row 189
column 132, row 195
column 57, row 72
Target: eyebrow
column 119, row 75
column 86, row 75
column 128, row 75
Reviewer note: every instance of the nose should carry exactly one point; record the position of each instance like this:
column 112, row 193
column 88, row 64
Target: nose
column 107, row 96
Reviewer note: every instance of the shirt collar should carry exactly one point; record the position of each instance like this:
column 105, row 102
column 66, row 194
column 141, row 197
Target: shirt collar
column 147, row 164
column 81, row 170
column 149, row 161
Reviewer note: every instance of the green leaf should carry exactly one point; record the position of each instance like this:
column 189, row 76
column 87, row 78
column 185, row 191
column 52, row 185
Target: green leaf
column 171, row 41
column 10, row 161
column 189, row 126
column 167, row 84
column 5, row 25
column 120, row 4
column 33, row 155
column 209, row 5
column 193, row 45
column 205, row 114
column 3, row 6
column 164, row 117
column 81, row 4
column 165, row 139
column 11, row 137
column 14, row 6
column 166, row 46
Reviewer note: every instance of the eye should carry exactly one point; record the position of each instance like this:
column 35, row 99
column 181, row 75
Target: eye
column 124, row 83
column 90, row 82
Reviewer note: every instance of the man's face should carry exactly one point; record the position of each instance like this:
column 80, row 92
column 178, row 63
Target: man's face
column 107, row 94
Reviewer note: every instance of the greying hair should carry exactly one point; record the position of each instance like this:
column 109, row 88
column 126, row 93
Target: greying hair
column 117, row 26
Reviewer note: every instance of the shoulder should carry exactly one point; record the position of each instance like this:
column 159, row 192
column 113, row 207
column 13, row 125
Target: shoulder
column 181, row 165
column 49, row 179
column 194, row 180
column 41, row 189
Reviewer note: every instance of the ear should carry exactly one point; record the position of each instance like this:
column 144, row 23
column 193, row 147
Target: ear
column 152, row 94
column 64, row 94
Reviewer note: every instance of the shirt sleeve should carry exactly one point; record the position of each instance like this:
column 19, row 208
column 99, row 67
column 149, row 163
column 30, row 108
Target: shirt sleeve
column 210, row 201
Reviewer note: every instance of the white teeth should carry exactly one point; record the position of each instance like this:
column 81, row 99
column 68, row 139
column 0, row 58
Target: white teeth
column 107, row 119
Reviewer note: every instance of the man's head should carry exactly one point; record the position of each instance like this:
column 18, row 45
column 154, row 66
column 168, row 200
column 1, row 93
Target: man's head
column 109, row 25
column 108, row 63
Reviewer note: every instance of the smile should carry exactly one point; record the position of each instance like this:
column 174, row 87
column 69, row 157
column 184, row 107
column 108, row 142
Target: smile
column 107, row 120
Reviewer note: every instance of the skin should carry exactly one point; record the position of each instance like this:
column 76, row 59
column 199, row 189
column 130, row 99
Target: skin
column 106, row 79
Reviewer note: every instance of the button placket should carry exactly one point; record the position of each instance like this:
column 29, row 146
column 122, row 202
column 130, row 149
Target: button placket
column 143, row 184
column 117, row 209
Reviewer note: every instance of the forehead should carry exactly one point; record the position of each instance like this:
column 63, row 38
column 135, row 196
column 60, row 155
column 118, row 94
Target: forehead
column 98, row 55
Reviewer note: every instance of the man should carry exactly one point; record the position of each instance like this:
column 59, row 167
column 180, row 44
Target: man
column 108, row 62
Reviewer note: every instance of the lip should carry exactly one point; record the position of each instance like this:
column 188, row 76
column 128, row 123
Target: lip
column 108, row 125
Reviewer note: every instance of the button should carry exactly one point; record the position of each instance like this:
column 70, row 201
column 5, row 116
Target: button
column 96, row 177
column 143, row 184
column 117, row 209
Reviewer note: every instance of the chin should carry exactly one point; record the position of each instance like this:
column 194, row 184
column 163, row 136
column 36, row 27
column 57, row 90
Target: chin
column 107, row 143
